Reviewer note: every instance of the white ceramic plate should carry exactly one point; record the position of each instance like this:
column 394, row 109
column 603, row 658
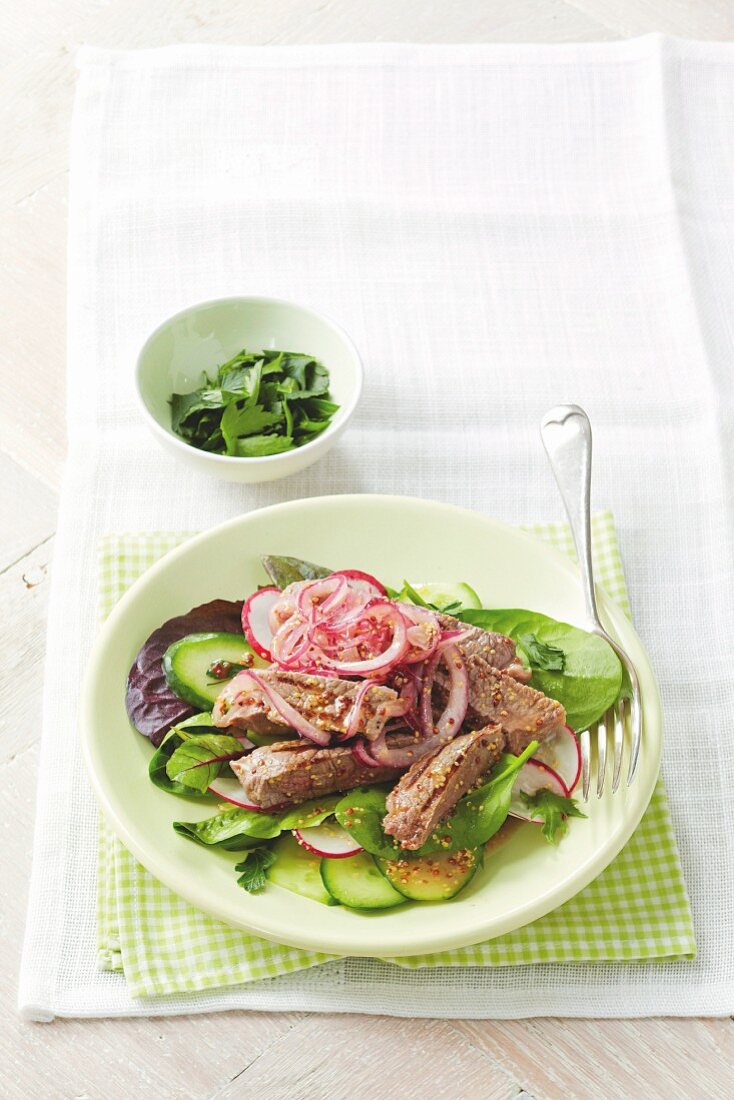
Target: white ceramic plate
column 391, row 537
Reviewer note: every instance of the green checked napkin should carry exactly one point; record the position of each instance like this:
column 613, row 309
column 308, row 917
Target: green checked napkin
column 637, row 909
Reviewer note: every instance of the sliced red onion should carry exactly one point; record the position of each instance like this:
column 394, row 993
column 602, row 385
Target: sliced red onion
column 361, row 753
column 335, row 620
column 402, row 757
column 453, row 636
column 315, row 594
column 288, row 713
column 291, row 644
column 426, row 701
column 355, row 714
column 336, row 599
column 457, row 704
column 384, row 661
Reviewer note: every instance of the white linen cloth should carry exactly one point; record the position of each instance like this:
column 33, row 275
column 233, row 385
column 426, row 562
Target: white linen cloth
column 499, row 228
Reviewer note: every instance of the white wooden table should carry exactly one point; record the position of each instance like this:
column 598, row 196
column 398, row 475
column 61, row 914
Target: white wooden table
column 264, row 1055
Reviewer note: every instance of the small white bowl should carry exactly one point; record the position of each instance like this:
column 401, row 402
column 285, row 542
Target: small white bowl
column 199, row 339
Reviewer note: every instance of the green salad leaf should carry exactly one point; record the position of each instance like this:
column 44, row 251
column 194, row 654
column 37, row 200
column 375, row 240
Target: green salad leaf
column 591, row 678
column 237, row 828
column 476, row 817
column 360, row 812
column 480, row 814
column 555, row 810
column 254, row 869
column 197, row 761
column 158, row 767
column 259, row 403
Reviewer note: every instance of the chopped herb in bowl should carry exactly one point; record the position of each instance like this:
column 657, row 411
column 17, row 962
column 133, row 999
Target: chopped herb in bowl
column 259, row 403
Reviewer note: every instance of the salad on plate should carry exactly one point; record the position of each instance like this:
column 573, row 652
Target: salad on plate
column 360, row 745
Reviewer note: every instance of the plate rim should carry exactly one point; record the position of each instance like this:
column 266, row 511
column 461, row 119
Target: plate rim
column 516, row 917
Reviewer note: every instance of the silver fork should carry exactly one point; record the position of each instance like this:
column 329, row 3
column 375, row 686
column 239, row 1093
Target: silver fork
column 566, row 435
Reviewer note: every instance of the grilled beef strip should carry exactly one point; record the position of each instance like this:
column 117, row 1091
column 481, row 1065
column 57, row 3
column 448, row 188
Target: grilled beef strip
column 429, row 790
column 294, row 771
column 498, row 650
column 323, row 700
column 525, row 714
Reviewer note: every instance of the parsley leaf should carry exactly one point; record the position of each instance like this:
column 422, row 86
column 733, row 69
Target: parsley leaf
column 541, row 655
column 254, row 869
column 257, row 403
column 554, row 810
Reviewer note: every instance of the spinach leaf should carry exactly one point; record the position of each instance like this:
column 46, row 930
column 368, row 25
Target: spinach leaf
column 476, row 817
column 224, row 830
column 480, row 814
column 540, row 655
column 360, row 812
column 284, row 571
column 239, row 828
column 197, row 761
column 555, row 810
column 254, row 869
column 591, row 678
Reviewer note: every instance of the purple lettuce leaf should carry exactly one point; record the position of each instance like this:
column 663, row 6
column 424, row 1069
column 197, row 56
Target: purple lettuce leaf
column 151, row 705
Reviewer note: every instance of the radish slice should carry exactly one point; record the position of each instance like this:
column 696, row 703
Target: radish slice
column 229, row 790
column 562, row 753
column 328, row 840
column 366, row 578
column 534, row 776
column 256, row 622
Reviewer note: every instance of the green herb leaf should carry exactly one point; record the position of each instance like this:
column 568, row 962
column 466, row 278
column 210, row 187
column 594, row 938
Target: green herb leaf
column 197, row 761
column 187, row 408
column 554, row 810
column 225, row 670
column 246, row 420
column 247, row 410
column 254, row 869
column 408, row 592
column 548, row 657
column 414, row 596
column 255, row 446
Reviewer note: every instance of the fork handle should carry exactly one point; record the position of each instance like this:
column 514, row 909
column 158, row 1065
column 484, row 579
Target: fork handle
column 566, row 434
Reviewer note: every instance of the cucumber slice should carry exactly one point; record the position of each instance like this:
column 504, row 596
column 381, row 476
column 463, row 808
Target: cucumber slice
column 357, row 882
column 185, row 665
column 297, row 870
column 431, row 878
column 443, row 595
